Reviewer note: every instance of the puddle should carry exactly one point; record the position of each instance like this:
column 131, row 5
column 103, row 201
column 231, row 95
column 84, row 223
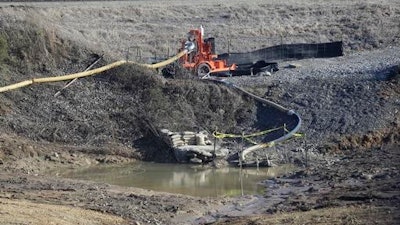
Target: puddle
column 181, row 178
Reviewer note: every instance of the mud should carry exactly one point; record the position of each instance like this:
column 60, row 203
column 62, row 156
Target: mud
column 368, row 178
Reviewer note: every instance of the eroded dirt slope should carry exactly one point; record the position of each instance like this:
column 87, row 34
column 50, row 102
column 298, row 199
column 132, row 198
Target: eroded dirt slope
column 122, row 107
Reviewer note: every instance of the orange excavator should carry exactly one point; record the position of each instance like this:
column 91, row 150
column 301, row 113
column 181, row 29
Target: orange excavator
column 201, row 57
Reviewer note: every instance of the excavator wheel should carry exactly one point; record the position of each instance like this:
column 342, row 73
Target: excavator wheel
column 203, row 69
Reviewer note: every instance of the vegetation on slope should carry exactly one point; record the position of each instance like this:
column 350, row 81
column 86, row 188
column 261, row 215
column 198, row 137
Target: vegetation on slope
column 119, row 107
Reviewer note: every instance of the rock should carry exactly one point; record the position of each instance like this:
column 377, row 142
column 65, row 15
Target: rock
column 312, row 189
column 171, row 208
column 165, row 132
column 176, row 137
column 201, row 152
column 32, row 153
column 206, row 220
column 196, row 160
column 52, row 158
column 293, row 66
column 177, row 143
column 367, row 176
column 221, row 152
column 183, row 153
column 200, row 139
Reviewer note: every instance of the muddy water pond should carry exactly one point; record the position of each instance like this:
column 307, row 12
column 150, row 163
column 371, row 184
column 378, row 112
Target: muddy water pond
column 182, row 178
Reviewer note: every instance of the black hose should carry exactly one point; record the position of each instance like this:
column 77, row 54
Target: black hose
column 270, row 103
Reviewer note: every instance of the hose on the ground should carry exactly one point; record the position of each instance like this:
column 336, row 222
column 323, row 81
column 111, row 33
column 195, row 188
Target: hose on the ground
column 89, row 72
column 288, row 135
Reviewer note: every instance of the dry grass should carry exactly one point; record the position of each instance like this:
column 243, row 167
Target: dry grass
column 22, row 212
column 3, row 49
column 156, row 28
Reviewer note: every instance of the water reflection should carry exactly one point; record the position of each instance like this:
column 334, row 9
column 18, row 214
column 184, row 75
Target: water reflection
column 184, row 179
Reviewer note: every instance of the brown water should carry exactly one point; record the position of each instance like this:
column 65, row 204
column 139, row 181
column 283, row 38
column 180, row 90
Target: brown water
column 182, row 178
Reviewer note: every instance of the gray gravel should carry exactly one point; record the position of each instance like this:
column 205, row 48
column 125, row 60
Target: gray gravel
column 334, row 96
column 359, row 65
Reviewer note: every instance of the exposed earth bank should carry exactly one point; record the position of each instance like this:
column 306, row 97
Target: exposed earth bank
column 348, row 161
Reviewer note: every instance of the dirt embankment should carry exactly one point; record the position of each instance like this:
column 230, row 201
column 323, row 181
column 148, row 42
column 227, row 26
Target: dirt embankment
column 344, row 113
column 123, row 108
column 106, row 119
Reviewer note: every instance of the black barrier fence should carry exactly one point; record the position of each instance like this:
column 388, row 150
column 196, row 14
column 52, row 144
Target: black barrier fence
column 286, row 52
column 250, row 48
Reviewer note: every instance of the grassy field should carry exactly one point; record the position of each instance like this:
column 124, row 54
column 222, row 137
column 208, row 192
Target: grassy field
column 156, row 27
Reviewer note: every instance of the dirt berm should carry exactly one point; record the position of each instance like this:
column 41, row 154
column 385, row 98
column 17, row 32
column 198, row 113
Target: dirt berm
column 118, row 108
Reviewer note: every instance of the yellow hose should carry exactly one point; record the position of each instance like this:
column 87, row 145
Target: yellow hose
column 89, row 72
column 166, row 62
